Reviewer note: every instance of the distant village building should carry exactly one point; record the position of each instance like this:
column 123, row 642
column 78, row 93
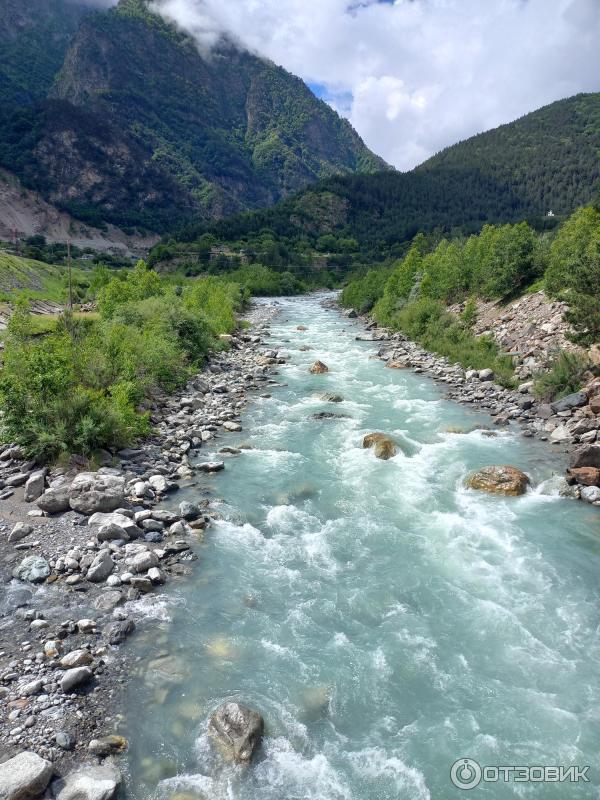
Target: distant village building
column 550, row 213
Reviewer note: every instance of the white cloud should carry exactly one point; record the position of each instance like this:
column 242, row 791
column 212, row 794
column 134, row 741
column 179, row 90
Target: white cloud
column 416, row 75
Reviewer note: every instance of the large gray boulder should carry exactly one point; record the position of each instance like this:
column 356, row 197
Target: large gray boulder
column 91, row 492
column 237, row 731
column 101, row 567
column 575, row 400
column 33, row 569
column 55, row 499
column 34, row 488
column 75, row 678
column 88, row 783
column 114, row 526
column 588, row 456
column 24, row 777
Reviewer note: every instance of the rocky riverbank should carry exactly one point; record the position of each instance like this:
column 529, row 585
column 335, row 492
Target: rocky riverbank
column 80, row 550
column 570, row 425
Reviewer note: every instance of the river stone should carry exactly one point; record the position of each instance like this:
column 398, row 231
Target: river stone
column 332, row 398
column 504, row 480
column 101, row 567
column 75, row 678
column 383, row 446
column 91, row 492
column 237, row 730
column 24, row 777
column 188, row 511
column 591, row 494
column 117, row 632
column 232, row 427
column 88, row 783
column 76, row 658
column 159, row 483
column 211, row 466
column 318, row 368
column 33, row 569
column 142, row 562
column 575, row 400
column 107, row 745
column 114, row 526
column 588, row 456
column 585, row 476
column 20, row 531
column 34, row 488
column 108, row 600
column 485, row 375
column 55, row 500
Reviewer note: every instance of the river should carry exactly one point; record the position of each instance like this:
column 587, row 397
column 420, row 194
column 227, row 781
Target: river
column 384, row 620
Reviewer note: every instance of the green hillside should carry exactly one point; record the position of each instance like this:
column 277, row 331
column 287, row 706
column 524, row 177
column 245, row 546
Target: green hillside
column 548, row 160
column 138, row 128
column 25, row 277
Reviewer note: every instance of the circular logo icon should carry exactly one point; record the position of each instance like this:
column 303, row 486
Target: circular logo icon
column 465, row 773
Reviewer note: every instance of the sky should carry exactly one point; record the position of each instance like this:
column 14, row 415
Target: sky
column 414, row 76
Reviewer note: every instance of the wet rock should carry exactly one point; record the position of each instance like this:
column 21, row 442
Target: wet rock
column 329, row 415
column 575, row 400
column 107, row 745
column 34, row 488
column 117, row 632
column 89, row 783
column 75, row 678
column 159, row 483
column 91, row 492
column 24, row 777
column 232, row 427
column 383, row 446
column 101, row 567
column 55, row 500
column 142, row 562
column 20, row 531
column 238, row 731
column 33, row 569
column 590, row 494
column 318, row 368
column 504, row 480
column 211, row 466
column 393, row 364
column 585, row 476
column 107, row 601
column 188, row 511
column 332, row 398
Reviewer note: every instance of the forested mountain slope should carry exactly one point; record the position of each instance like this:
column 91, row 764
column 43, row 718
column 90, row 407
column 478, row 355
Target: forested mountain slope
column 546, row 161
column 133, row 125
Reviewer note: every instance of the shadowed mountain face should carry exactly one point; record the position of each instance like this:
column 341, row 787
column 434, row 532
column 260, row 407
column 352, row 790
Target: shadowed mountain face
column 545, row 161
column 127, row 122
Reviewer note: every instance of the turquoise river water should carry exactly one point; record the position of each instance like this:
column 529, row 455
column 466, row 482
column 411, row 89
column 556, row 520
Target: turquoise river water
column 384, row 620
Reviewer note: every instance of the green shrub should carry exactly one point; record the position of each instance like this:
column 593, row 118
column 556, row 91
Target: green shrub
column 362, row 293
column 565, row 376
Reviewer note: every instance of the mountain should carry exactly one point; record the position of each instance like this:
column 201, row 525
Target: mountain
column 549, row 158
column 133, row 125
column 547, row 161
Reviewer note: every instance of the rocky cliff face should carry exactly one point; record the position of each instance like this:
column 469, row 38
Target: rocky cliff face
column 138, row 127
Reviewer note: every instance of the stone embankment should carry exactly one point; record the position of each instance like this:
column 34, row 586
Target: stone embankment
column 79, row 550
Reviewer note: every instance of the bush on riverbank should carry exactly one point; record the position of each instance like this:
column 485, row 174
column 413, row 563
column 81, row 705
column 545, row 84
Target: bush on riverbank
column 428, row 322
column 81, row 387
column 565, row 376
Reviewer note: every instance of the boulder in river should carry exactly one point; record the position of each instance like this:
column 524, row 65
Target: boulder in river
column 383, row 446
column 505, row 480
column 584, row 476
column 238, row 731
column 318, row 368
column 91, row 492
column 24, row 776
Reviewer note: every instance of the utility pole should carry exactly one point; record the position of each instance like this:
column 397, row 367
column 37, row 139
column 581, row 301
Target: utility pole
column 70, row 275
